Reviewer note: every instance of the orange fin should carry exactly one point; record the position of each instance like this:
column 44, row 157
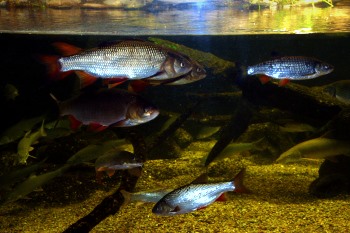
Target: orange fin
column 85, row 78
column 283, row 82
column 99, row 176
column 96, row 127
column 264, row 79
column 110, row 172
column 66, row 49
column 113, row 82
column 138, row 86
column 222, row 197
column 74, row 123
column 238, row 183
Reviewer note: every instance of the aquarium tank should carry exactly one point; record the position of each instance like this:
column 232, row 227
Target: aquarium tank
column 174, row 116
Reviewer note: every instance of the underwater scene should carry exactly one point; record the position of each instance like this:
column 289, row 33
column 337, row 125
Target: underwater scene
column 185, row 130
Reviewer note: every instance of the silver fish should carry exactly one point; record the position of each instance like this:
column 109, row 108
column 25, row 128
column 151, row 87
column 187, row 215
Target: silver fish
column 129, row 59
column 293, row 67
column 193, row 196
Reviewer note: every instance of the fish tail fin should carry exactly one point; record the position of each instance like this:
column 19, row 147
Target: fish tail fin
column 66, row 49
column 53, row 67
column 241, row 72
column 42, row 129
column 238, row 183
column 127, row 196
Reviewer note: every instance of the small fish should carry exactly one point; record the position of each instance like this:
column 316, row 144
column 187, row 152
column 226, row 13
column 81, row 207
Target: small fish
column 10, row 92
column 118, row 61
column 234, row 148
column 318, row 148
column 297, row 127
column 197, row 73
column 196, row 196
column 19, row 129
column 340, row 90
column 107, row 107
column 115, row 160
column 149, row 196
column 25, row 144
column 30, row 184
column 206, row 132
column 290, row 68
column 93, row 151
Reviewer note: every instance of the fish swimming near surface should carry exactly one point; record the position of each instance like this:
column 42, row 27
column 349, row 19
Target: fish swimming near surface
column 318, row 148
column 290, row 68
column 107, row 107
column 25, row 144
column 196, row 196
column 116, row 160
column 340, row 90
column 118, row 61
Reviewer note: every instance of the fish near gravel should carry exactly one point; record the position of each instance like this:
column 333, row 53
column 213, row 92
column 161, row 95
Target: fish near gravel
column 290, row 68
column 107, row 107
column 196, row 196
column 117, row 62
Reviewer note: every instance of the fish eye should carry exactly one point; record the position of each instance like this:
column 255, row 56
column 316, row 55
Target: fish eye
column 182, row 64
column 199, row 70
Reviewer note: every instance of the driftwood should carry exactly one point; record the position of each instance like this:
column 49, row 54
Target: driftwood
column 237, row 125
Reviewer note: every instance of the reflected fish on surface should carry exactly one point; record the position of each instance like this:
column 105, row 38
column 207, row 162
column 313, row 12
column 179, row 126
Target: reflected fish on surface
column 318, row 148
column 340, row 90
column 196, row 196
column 25, row 144
column 118, row 61
column 115, row 160
column 290, row 68
column 108, row 107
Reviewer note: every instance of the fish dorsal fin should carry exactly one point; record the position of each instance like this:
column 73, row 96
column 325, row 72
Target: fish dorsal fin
column 115, row 42
column 202, row 179
column 66, row 49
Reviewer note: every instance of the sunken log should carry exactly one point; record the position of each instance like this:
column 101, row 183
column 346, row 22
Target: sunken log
column 236, row 126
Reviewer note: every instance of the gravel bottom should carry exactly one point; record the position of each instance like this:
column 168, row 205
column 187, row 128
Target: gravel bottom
column 279, row 201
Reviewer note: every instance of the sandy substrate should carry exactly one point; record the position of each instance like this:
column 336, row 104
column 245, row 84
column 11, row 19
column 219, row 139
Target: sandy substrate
column 279, row 201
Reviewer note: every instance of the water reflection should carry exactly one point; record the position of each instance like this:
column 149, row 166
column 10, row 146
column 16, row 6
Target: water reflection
column 198, row 21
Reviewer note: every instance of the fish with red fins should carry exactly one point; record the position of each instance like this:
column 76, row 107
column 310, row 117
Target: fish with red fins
column 197, row 195
column 117, row 62
column 107, row 107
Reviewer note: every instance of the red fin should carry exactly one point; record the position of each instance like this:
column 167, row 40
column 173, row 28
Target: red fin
column 238, row 183
column 200, row 208
column 283, row 82
column 110, row 172
column 85, row 78
column 113, row 82
column 96, row 127
column 66, row 49
column 137, row 86
column 222, row 197
column 53, row 67
column 74, row 123
column 264, row 79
